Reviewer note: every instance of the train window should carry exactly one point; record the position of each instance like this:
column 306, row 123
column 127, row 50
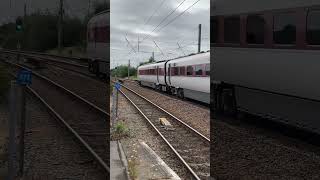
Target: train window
column 182, row 71
column 207, row 69
column 199, row 70
column 214, row 30
column 284, row 28
column 255, row 29
column 161, row 72
column 189, row 70
column 232, row 29
column 174, row 71
column 313, row 27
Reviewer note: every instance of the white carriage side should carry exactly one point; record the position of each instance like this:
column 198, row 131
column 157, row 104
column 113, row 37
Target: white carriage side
column 270, row 63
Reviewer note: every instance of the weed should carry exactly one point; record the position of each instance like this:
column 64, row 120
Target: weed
column 120, row 131
column 132, row 169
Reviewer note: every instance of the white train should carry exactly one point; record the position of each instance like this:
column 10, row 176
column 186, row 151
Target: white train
column 98, row 43
column 267, row 59
column 187, row 76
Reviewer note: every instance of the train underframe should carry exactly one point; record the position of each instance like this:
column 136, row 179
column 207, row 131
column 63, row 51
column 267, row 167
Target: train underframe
column 179, row 92
column 99, row 68
column 285, row 109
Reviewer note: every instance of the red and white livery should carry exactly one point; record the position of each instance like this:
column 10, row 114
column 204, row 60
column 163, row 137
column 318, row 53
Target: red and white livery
column 98, row 43
column 267, row 59
column 187, row 76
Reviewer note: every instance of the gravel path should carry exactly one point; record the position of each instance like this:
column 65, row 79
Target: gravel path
column 196, row 116
column 51, row 151
column 241, row 151
column 141, row 131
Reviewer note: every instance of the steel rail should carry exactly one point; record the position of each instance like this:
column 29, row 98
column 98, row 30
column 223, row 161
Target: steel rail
column 64, row 89
column 70, row 129
column 167, row 142
column 171, row 115
column 46, row 54
column 82, row 141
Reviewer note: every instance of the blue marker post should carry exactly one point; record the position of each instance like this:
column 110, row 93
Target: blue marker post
column 17, row 115
column 115, row 96
column 118, row 87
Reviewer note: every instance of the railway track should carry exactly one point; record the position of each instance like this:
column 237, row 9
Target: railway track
column 39, row 60
column 190, row 147
column 83, row 119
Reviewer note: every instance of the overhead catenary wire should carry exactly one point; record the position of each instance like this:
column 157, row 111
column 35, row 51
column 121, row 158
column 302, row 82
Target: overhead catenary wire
column 165, row 18
column 154, row 12
column 178, row 15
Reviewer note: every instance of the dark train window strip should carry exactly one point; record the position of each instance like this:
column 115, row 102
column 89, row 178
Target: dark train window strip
column 283, row 29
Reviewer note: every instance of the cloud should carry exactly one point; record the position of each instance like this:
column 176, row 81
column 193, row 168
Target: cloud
column 130, row 18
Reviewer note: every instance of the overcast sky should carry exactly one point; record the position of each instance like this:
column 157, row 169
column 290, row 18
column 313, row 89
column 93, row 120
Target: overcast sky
column 129, row 18
column 77, row 8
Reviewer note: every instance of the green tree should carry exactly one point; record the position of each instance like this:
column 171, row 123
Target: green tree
column 122, row 71
column 40, row 32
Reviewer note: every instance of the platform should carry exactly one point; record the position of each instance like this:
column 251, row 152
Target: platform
column 146, row 164
column 118, row 165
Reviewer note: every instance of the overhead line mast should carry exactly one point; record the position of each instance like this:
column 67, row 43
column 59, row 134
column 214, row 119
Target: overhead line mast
column 60, row 26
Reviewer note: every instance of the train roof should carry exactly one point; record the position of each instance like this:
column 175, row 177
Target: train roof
column 229, row 7
column 101, row 19
column 177, row 58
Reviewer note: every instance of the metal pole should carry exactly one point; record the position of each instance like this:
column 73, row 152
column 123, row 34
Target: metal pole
column 117, row 103
column 129, row 69
column 12, row 133
column 199, row 39
column 60, row 26
column 89, row 6
column 25, row 10
column 22, row 127
column 113, row 106
column 153, row 56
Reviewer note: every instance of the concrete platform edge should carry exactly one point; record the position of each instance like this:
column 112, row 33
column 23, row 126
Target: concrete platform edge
column 123, row 159
column 160, row 162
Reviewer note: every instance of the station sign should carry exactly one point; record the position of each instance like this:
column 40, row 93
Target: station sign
column 24, row 77
column 117, row 86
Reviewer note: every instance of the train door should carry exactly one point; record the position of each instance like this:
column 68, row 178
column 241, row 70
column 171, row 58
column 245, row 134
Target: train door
column 169, row 74
column 157, row 74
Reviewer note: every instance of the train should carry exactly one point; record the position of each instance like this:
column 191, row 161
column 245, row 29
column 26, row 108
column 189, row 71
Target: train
column 185, row 77
column 98, row 44
column 266, row 60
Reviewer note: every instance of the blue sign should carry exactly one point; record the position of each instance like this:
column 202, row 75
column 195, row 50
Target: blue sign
column 117, row 86
column 24, row 77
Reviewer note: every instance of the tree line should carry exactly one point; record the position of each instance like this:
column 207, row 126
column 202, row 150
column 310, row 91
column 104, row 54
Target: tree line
column 40, row 31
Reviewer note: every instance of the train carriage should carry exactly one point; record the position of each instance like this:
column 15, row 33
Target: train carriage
column 187, row 76
column 266, row 59
column 98, row 46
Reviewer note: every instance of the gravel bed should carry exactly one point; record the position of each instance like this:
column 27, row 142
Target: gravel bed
column 95, row 91
column 244, row 151
column 51, row 152
column 194, row 150
column 140, row 130
column 89, row 123
column 196, row 116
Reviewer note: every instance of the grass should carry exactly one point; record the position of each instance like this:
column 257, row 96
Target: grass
column 120, row 130
column 69, row 51
column 132, row 168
